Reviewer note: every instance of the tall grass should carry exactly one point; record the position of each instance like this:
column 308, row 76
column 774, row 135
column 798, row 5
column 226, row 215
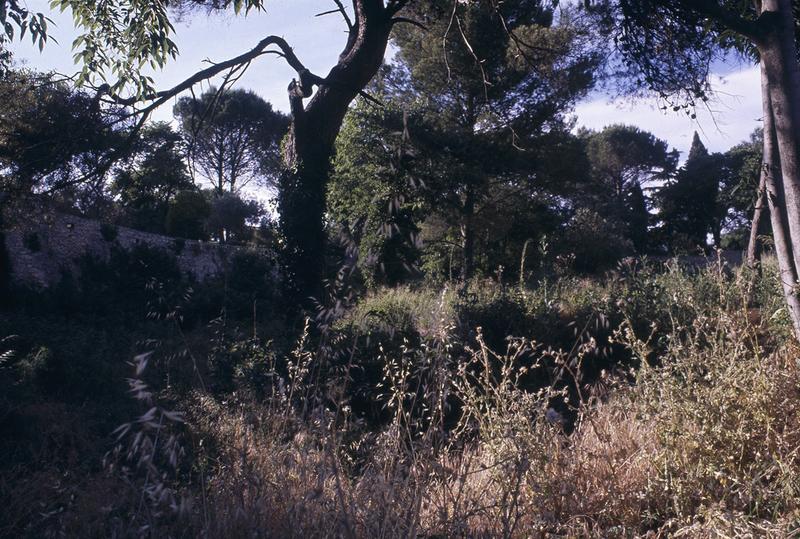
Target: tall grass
column 655, row 403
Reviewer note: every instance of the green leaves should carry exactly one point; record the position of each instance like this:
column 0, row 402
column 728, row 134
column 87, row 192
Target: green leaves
column 13, row 15
column 119, row 38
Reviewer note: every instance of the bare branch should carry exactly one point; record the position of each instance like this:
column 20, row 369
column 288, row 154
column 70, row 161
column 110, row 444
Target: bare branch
column 397, row 20
column 339, row 9
column 161, row 97
column 478, row 61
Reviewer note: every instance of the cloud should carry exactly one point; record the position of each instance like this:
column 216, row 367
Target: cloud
column 733, row 113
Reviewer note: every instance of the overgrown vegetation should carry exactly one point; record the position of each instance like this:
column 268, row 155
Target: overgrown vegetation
column 465, row 315
column 655, row 399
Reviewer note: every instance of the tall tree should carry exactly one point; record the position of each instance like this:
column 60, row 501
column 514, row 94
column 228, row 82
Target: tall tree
column 688, row 204
column 116, row 48
column 497, row 80
column 233, row 137
column 149, row 181
column 625, row 160
column 672, row 42
column 315, row 125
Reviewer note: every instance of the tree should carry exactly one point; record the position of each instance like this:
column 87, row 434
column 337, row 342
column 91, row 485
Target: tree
column 312, row 134
column 117, row 45
column 229, row 216
column 485, row 95
column 375, row 195
column 624, row 160
column 233, row 137
column 187, row 215
column 688, row 204
column 672, row 42
column 742, row 199
column 153, row 176
column 51, row 135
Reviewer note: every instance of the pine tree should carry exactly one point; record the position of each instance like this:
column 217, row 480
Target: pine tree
column 688, row 204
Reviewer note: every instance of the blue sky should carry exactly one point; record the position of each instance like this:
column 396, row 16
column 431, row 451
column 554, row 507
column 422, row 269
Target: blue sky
column 317, row 41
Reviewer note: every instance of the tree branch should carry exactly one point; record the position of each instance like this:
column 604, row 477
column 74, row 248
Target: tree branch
column 339, row 9
column 713, row 9
column 397, row 20
column 161, row 97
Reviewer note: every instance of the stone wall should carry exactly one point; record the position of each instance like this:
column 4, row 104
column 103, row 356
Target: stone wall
column 40, row 251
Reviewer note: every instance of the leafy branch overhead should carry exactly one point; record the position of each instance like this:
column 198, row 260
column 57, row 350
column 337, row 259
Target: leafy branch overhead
column 14, row 14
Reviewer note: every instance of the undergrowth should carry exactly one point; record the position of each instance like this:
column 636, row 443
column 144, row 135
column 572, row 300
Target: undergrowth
column 657, row 402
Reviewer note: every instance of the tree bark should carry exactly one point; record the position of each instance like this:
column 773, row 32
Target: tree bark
column 310, row 144
column 778, row 55
column 757, row 227
column 468, row 235
column 776, row 198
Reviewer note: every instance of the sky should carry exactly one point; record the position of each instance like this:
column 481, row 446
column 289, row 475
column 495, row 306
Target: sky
column 730, row 118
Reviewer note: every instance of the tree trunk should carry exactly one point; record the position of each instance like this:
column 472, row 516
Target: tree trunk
column 716, row 234
column 774, row 184
column 468, row 235
column 310, row 145
column 757, row 226
column 779, row 60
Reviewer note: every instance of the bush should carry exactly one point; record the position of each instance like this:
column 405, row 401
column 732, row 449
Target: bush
column 595, row 243
column 5, row 272
column 32, row 242
column 128, row 282
column 178, row 245
column 187, row 214
column 229, row 216
column 109, row 232
column 404, row 419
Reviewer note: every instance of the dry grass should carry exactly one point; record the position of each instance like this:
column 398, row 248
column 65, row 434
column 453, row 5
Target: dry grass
column 694, row 449
column 703, row 445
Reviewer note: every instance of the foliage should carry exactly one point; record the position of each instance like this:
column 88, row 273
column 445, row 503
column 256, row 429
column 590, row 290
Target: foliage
column 51, row 134
column 598, row 395
column 489, row 95
column 421, row 413
column 624, row 161
column 154, row 174
column 373, row 192
column 739, row 184
column 123, row 37
column 108, row 232
column 233, row 136
column 688, row 205
column 595, row 243
column 12, row 13
column 229, row 216
column 5, row 270
column 464, row 148
column 187, row 214
column 32, row 242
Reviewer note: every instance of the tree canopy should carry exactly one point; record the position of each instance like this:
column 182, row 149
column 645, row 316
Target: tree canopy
column 233, row 137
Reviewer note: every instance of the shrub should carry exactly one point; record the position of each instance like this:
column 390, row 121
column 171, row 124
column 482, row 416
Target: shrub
column 229, row 216
column 5, row 272
column 595, row 243
column 178, row 244
column 186, row 216
column 32, row 242
column 109, row 232
column 127, row 280
column 403, row 419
